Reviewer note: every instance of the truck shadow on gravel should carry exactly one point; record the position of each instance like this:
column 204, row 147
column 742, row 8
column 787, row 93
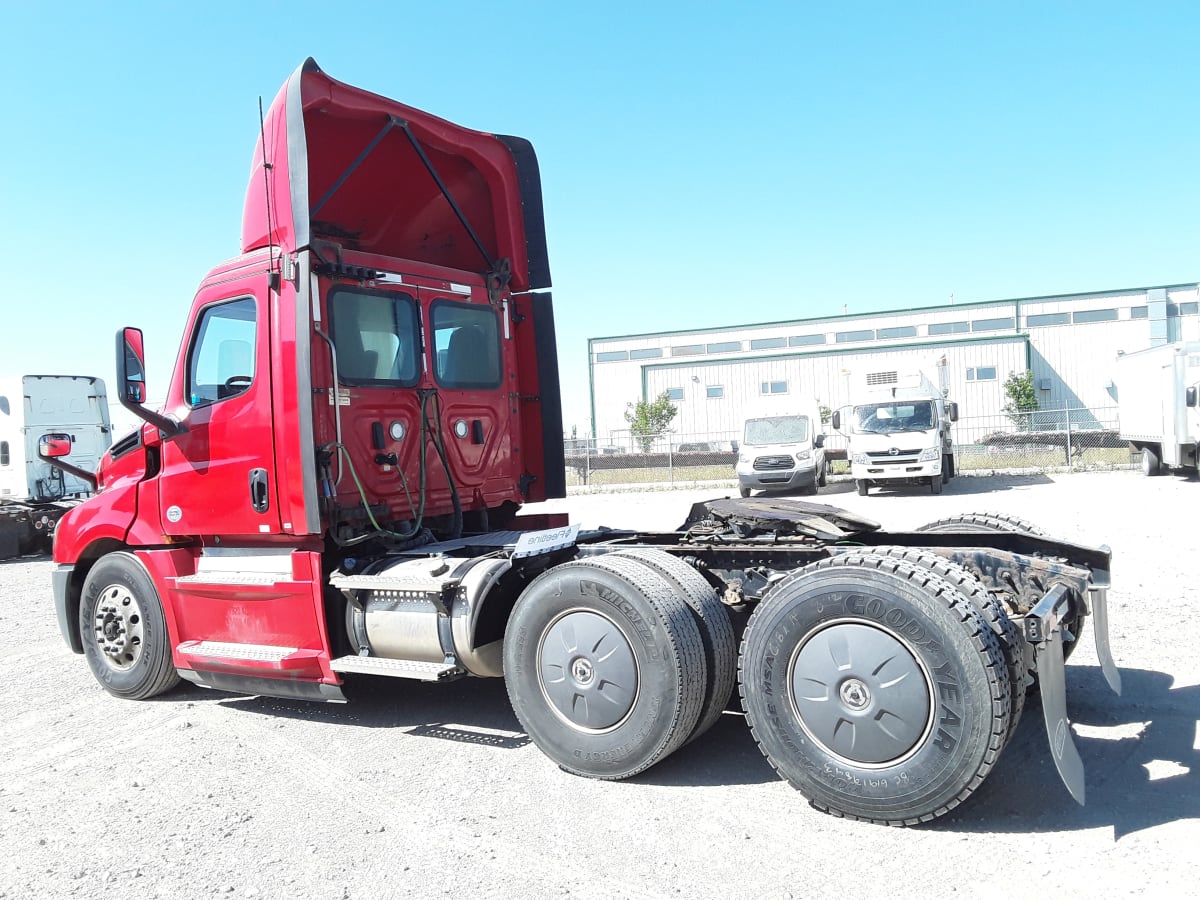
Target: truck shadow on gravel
column 1142, row 765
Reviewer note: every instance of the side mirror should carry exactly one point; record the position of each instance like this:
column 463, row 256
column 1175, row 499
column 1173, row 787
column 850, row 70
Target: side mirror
column 819, row 441
column 1190, row 396
column 836, row 420
column 54, row 446
column 131, row 381
column 131, row 367
column 952, row 411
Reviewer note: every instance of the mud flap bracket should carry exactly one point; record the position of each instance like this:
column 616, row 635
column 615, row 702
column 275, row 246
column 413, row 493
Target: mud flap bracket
column 1043, row 630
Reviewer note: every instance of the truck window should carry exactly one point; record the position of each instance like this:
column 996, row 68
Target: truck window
column 221, row 361
column 375, row 333
column 776, row 430
column 882, row 418
column 4, row 453
column 466, row 344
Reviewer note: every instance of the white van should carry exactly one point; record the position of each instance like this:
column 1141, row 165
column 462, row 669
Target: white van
column 778, row 452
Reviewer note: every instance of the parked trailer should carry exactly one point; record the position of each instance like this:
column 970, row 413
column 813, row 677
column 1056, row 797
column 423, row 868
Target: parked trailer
column 34, row 495
column 352, row 507
column 1158, row 399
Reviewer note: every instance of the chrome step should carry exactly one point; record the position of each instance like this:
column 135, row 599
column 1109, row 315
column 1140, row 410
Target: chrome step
column 396, row 668
column 220, row 650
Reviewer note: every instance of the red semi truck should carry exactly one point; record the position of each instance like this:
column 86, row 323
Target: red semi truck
column 363, row 401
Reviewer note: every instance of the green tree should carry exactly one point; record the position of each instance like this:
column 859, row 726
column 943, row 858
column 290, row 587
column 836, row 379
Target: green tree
column 648, row 419
column 1022, row 398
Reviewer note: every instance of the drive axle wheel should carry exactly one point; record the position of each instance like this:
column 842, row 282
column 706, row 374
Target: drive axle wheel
column 604, row 667
column 875, row 688
column 124, row 631
column 716, row 631
column 1018, row 655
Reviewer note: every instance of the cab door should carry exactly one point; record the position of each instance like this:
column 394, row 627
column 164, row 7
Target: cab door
column 218, row 473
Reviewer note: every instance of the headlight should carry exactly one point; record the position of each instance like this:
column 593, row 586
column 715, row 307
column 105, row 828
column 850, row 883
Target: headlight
column 930, row 453
column 859, row 459
column 743, row 458
column 803, row 455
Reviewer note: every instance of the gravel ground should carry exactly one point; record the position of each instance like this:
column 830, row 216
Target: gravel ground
column 426, row 791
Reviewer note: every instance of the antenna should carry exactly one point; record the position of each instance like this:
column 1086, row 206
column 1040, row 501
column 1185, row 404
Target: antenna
column 262, row 136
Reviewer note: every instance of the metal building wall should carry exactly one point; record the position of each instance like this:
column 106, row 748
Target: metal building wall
column 1071, row 357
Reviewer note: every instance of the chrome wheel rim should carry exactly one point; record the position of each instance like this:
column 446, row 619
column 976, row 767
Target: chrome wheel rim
column 119, row 628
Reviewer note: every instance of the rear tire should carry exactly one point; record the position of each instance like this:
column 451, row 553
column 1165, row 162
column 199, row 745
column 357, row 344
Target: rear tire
column 1018, row 656
column 1151, row 464
column 604, row 667
column 124, row 631
column 875, row 688
column 716, row 630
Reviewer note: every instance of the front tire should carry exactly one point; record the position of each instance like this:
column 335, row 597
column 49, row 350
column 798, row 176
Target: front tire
column 935, row 484
column 604, row 667
column 861, row 484
column 743, row 491
column 875, row 688
column 124, row 631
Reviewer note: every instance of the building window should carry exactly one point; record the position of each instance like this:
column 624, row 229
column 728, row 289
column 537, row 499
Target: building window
column 1189, row 309
column 612, row 356
column 992, row 324
column 981, row 373
column 846, row 337
column 898, row 331
column 655, row 353
column 4, row 460
column 949, row 327
column 767, row 343
column 805, row 340
column 1095, row 315
column 773, row 387
column 688, row 350
column 1138, row 312
column 1059, row 318
column 674, row 393
column 715, row 391
column 724, row 347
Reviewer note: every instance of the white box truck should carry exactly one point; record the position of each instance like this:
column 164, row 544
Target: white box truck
column 35, row 409
column 898, row 428
column 1158, row 405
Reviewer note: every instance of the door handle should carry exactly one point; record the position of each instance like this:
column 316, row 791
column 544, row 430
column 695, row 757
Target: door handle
column 259, row 495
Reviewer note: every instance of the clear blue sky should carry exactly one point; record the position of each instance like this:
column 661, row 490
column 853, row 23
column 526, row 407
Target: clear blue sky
column 702, row 164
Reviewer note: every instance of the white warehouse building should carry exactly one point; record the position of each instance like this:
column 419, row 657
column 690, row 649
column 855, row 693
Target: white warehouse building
column 718, row 376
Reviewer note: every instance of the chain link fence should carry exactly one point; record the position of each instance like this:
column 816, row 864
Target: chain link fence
column 1064, row 439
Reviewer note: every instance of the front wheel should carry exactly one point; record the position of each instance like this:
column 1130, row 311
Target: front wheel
column 875, row 688
column 935, row 484
column 124, row 630
column 862, row 487
column 743, row 491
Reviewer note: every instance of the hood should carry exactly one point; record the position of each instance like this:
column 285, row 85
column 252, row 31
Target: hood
column 371, row 174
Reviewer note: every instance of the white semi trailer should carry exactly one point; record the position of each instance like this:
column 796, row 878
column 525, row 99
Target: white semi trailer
column 35, row 410
column 1158, row 405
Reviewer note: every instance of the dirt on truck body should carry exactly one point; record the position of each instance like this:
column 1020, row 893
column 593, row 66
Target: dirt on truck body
column 366, row 397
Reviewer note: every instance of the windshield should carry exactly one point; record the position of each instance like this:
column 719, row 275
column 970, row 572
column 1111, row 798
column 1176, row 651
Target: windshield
column 780, row 430
column 885, row 418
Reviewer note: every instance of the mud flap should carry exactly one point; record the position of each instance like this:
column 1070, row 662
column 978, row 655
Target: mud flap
column 1043, row 629
column 1099, row 600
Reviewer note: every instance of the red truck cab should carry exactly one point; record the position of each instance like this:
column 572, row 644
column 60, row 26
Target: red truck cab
column 378, row 365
